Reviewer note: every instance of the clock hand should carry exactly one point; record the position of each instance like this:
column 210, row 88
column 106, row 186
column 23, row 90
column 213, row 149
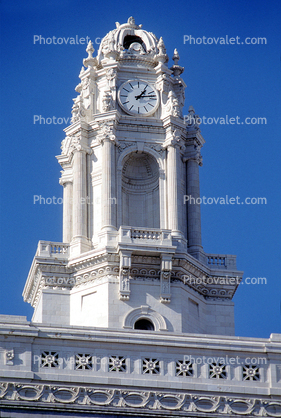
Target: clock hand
column 140, row 95
column 149, row 96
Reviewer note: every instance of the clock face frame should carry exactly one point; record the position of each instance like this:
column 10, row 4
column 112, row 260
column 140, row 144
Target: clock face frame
column 138, row 98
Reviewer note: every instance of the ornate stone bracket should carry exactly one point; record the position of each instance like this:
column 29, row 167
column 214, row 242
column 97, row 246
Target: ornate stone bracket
column 165, row 278
column 124, row 275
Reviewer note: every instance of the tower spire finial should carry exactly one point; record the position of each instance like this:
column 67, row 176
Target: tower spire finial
column 90, row 60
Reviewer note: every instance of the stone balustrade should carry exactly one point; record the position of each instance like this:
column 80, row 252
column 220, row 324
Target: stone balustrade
column 52, row 249
column 151, row 236
column 221, row 261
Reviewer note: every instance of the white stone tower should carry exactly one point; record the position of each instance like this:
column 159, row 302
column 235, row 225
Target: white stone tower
column 132, row 254
column 131, row 317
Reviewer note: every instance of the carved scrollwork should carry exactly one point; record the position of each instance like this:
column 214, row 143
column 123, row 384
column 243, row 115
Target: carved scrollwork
column 78, row 110
column 106, row 133
column 217, row 406
column 107, row 101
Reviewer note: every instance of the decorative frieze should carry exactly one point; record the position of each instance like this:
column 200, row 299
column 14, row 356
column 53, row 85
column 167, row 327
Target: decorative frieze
column 102, row 399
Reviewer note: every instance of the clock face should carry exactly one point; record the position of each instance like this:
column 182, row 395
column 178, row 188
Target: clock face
column 137, row 97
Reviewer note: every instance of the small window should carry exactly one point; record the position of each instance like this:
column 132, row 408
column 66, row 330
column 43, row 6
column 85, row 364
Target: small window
column 130, row 39
column 144, row 324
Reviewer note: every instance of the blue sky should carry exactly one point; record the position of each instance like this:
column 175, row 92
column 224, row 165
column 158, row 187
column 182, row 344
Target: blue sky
column 239, row 160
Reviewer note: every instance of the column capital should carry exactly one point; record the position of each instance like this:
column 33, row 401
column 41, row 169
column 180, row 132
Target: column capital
column 193, row 154
column 78, row 144
column 65, row 178
column 106, row 133
column 75, row 142
column 174, row 140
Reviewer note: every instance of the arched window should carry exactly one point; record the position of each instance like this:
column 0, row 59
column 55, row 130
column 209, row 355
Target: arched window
column 144, row 324
column 130, row 39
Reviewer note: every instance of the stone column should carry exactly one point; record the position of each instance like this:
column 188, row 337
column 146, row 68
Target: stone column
column 79, row 195
column 109, row 198
column 174, row 148
column 193, row 205
column 163, row 209
column 80, row 242
column 108, row 234
column 172, row 183
column 67, row 210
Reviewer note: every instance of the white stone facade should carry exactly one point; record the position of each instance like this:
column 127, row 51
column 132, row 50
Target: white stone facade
column 131, row 316
column 84, row 370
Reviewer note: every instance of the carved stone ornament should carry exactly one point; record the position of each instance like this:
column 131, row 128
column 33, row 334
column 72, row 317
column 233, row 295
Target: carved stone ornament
column 90, row 61
column 177, row 69
column 59, row 282
column 85, row 83
column 111, row 75
column 108, row 45
column 124, row 284
column 165, row 295
column 173, row 107
column 192, row 120
column 106, row 132
column 156, row 147
column 176, row 140
column 78, row 110
column 164, row 85
column 180, row 94
column 104, row 399
column 10, row 354
column 198, row 156
column 73, row 143
column 107, row 101
column 65, row 143
column 162, row 56
column 123, row 145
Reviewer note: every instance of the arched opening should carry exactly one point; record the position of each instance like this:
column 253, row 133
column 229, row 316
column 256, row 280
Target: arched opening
column 130, row 39
column 144, row 324
column 140, row 191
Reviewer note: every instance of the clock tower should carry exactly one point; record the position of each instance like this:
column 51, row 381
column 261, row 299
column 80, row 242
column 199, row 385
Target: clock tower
column 131, row 317
column 132, row 254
